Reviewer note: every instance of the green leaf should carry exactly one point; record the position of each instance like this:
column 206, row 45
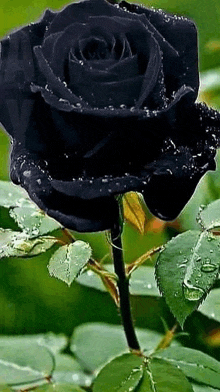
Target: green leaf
column 55, row 343
column 68, row 370
column 33, row 221
column 161, row 376
column 210, row 80
column 27, row 215
column 69, row 260
column 142, row 281
column 122, row 374
column 89, row 339
column 11, row 195
column 194, row 364
column 211, row 306
column 59, row 388
column 203, row 388
column 209, row 216
column 17, row 244
column 186, row 270
column 4, row 388
column 22, row 363
column 90, row 279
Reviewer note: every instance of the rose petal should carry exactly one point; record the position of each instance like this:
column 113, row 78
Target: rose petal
column 180, row 34
column 151, row 76
column 73, row 213
column 66, row 41
column 88, row 189
column 48, row 46
column 173, row 182
column 106, row 94
column 53, row 82
column 78, row 74
column 79, row 12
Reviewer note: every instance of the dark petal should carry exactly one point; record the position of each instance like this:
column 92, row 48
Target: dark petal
column 83, row 216
column 88, row 189
column 150, row 82
column 96, row 48
column 174, row 178
column 180, row 34
column 209, row 120
column 48, row 45
column 197, row 125
column 81, row 11
column 183, row 94
column 17, row 63
column 62, row 45
column 17, row 71
column 137, row 34
column 79, row 73
column 73, row 213
column 113, row 94
column 52, row 100
column 16, row 109
column 53, row 83
column 36, row 31
column 126, row 68
column 125, row 51
column 107, row 29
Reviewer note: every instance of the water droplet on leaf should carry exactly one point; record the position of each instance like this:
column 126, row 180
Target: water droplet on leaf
column 208, row 267
column 192, row 293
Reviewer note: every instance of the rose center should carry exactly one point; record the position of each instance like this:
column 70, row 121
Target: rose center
column 96, row 49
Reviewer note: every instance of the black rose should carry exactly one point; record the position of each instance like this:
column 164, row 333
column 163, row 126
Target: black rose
column 99, row 100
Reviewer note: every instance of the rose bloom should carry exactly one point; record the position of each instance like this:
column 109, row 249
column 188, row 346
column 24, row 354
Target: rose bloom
column 99, row 100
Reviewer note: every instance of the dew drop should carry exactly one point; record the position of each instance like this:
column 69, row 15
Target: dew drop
column 210, row 238
column 192, row 293
column 208, row 267
column 61, row 100
column 75, row 377
column 27, row 173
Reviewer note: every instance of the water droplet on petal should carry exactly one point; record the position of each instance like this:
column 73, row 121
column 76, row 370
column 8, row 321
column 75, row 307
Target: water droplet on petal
column 27, row 173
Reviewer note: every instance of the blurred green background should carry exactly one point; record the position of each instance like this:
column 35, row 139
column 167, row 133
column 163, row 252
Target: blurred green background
column 30, row 300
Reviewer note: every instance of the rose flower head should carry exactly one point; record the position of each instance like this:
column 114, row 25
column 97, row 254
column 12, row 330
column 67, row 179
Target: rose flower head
column 99, row 100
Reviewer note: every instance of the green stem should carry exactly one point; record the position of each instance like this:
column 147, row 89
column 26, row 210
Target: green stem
column 123, row 288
